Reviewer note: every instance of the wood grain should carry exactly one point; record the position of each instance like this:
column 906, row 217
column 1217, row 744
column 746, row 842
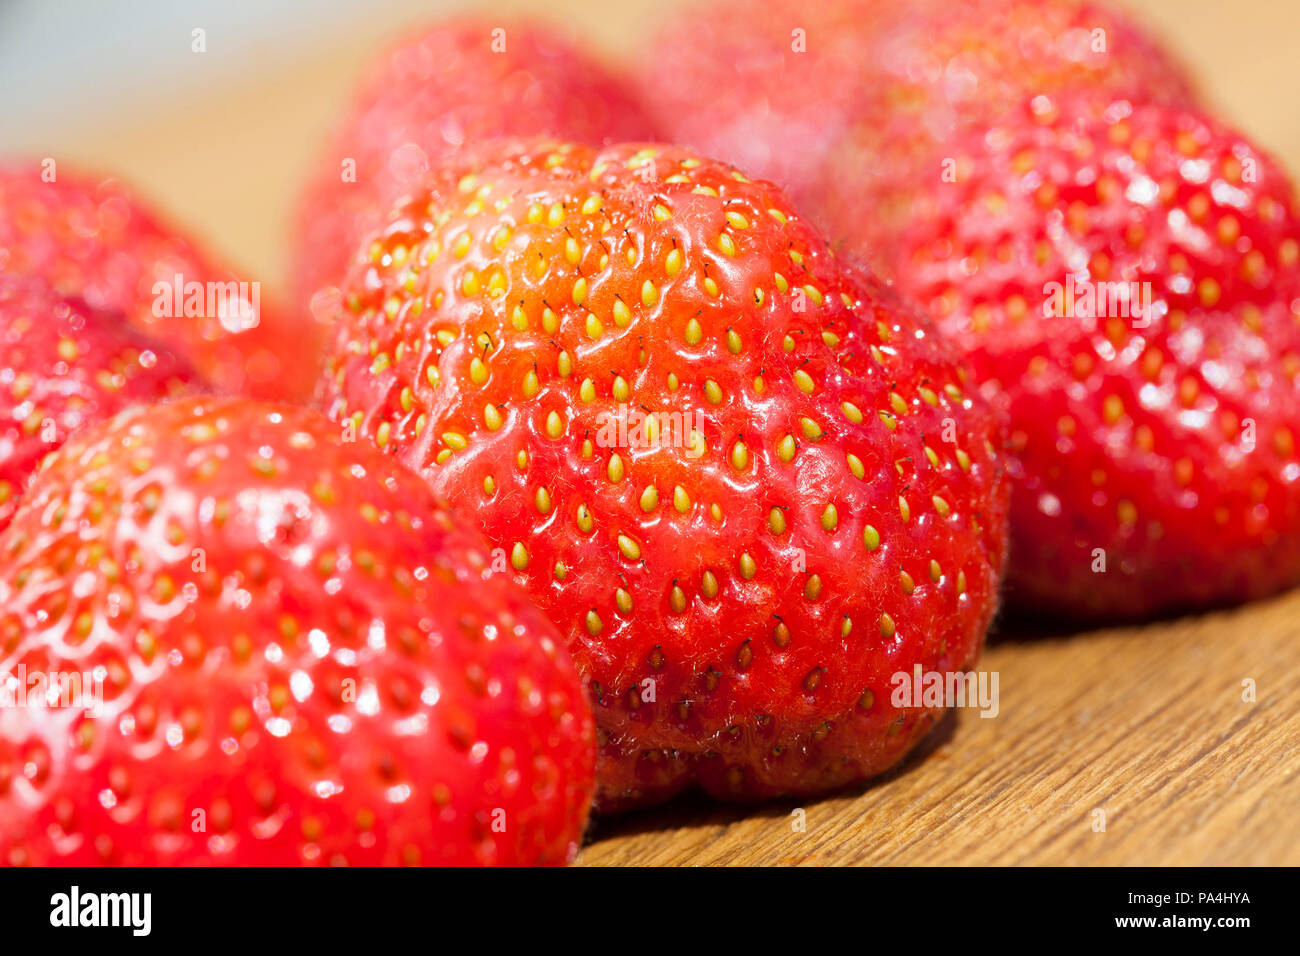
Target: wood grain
column 1145, row 724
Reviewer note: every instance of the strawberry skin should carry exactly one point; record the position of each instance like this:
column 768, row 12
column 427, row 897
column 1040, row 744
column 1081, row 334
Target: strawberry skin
column 63, row 365
column 825, row 510
column 1168, row 440
column 304, row 659
column 91, row 239
column 843, row 102
column 464, row 81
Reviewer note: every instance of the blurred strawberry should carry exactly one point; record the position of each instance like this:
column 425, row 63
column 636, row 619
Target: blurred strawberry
column 1127, row 275
column 301, row 659
column 93, row 240
column 464, row 81
column 844, row 102
column 744, row 481
column 63, row 365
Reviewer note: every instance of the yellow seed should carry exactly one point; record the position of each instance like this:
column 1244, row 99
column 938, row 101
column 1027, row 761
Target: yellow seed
column 615, row 470
column 519, row 556
column 776, row 521
column 856, row 466
column 726, row 245
column 886, row 626
column 554, row 424
column 904, row 511
column 622, row 314
column 737, row 220
column 649, row 499
column 709, row 585
column 623, row 600
column 673, row 263
column 871, row 538
column 712, row 392
column 543, row 501
column 580, row 291
column 564, row 365
column 694, row 333
column 594, row 329
column 455, row 440
column 594, row 624
column 621, row 390
column 629, row 548
column 747, row 566
column 530, row 384
column 852, row 412
column 811, row 430
column 739, row 456
column 492, row 417
column 804, row 381
column 734, row 345
column 677, row 599
column 585, row 521
column 785, row 448
column 812, row 589
column 940, row 506
column 587, row 390
column 681, row 500
column 830, row 518
column 649, row 294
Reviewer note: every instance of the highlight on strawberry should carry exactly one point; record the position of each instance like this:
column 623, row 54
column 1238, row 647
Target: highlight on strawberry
column 276, row 647
column 744, row 480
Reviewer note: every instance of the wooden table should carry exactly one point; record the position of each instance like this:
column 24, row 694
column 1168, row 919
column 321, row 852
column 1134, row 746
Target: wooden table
column 1146, row 725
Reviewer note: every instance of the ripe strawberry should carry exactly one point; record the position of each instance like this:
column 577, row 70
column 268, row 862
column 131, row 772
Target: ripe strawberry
column 466, row 80
column 63, row 365
column 820, row 505
column 843, row 102
column 1165, row 439
column 303, row 659
column 92, row 240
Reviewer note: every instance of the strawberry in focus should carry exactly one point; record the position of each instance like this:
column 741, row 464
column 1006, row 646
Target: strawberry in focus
column 744, row 481
column 63, row 365
column 1126, row 274
column 92, row 240
column 844, row 103
column 464, row 81
column 303, row 659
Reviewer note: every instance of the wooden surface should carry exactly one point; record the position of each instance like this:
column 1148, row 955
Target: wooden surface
column 1147, row 725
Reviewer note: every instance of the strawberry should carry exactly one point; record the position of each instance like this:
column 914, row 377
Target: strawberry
column 844, row 102
column 63, row 365
column 816, row 506
column 1126, row 274
column 302, row 659
column 467, row 79
column 91, row 239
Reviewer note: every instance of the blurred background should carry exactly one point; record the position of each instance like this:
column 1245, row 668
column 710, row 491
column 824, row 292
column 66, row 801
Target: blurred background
column 221, row 139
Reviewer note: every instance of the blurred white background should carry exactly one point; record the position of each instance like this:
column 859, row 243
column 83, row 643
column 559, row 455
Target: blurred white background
column 222, row 139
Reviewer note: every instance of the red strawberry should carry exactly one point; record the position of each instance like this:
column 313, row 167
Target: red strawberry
column 303, row 659
column 843, row 102
column 63, row 365
column 822, row 506
column 92, row 240
column 1163, row 443
column 465, row 80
